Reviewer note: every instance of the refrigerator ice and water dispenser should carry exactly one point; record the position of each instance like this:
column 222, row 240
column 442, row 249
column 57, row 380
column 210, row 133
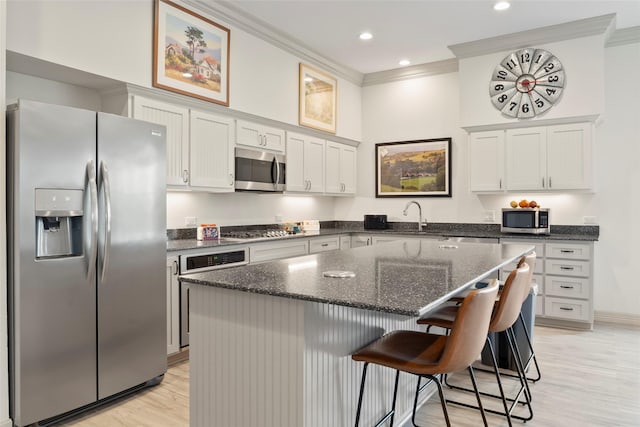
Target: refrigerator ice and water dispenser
column 59, row 215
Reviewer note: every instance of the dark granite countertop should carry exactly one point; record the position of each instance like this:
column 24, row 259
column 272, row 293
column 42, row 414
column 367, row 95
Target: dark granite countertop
column 559, row 232
column 408, row 277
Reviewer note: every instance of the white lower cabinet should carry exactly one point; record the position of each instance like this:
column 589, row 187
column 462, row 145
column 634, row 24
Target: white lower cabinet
column 173, row 305
column 323, row 244
column 345, row 242
column 564, row 275
column 359, row 240
column 268, row 251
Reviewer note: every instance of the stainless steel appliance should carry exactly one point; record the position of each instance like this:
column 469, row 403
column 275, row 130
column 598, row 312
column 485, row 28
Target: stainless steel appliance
column 525, row 221
column 375, row 222
column 259, row 170
column 197, row 263
column 87, row 251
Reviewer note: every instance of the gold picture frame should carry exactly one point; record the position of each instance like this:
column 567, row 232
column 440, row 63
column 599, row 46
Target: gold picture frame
column 318, row 99
column 190, row 53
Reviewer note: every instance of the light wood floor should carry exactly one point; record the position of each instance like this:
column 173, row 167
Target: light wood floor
column 590, row 379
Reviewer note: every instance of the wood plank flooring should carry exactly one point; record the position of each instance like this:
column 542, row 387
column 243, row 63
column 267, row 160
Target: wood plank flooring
column 590, row 379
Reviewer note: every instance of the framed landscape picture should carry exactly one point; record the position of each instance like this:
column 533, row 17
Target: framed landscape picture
column 419, row 168
column 318, row 92
column 190, row 54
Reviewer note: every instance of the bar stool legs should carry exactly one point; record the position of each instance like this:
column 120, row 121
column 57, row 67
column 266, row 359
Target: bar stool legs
column 389, row 415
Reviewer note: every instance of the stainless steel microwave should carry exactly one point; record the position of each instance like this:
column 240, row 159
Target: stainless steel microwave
column 259, row 170
column 525, row 220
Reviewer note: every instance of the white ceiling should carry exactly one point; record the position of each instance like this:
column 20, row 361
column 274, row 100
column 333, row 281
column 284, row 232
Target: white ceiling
column 418, row 30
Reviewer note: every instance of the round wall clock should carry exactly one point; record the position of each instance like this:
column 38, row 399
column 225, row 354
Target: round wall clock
column 526, row 83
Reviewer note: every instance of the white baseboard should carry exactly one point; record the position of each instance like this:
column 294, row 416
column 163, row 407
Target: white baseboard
column 6, row 423
column 617, row 318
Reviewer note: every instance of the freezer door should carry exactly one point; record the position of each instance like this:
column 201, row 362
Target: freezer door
column 132, row 336
column 52, row 317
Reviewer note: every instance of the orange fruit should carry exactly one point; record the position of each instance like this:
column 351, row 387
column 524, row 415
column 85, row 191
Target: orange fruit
column 524, row 203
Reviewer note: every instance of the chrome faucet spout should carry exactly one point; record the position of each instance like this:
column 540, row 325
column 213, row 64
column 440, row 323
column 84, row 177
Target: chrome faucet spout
column 406, row 208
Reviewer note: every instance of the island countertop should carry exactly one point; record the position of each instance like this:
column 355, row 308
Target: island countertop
column 408, row 277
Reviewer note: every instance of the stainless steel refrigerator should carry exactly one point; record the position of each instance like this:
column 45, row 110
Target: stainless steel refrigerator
column 87, row 250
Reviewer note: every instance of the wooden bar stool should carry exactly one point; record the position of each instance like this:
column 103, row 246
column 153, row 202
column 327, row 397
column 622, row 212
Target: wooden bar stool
column 428, row 355
column 505, row 314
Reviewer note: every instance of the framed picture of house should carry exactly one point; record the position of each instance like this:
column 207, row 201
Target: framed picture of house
column 190, row 53
column 318, row 95
column 420, row 168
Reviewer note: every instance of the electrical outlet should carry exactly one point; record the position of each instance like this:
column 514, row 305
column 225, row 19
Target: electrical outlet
column 279, row 218
column 589, row 219
column 190, row 221
column 489, row 216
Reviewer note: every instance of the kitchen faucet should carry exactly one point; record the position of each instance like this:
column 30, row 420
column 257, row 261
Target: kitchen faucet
column 404, row 212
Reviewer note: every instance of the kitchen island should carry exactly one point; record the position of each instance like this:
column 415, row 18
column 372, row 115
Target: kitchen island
column 270, row 343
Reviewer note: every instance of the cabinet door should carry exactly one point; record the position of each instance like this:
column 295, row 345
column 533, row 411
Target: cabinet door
column 345, row 242
column 569, row 157
column 248, row 133
column 333, row 180
column 486, row 161
column 359, row 240
column 176, row 120
column 314, row 164
column 212, row 157
column 526, row 159
column 348, row 171
column 295, row 162
column 273, row 138
column 173, row 305
column 257, row 135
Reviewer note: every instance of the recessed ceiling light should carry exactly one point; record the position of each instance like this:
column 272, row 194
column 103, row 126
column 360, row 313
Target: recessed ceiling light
column 501, row 5
column 366, row 36
column 404, row 62
column 308, row 79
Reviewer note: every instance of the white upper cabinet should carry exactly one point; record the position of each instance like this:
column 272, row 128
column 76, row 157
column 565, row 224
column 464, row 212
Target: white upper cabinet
column 199, row 145
column 340, row 171
column 486, row 161
column 212, row 156
column 305, row 163
column 550, row 158
column 260, row 136
column 526, row 159
column 569, row 157
column 176, row 120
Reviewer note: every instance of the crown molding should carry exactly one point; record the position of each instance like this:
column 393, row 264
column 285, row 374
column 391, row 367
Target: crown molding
column 624, row 36
column 228, row 12
column 412, row 72
column 553, row 33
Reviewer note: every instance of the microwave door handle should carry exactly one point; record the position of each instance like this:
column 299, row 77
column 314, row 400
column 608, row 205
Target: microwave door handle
column 275, row 159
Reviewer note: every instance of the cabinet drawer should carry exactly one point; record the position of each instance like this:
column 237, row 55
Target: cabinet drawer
column 567, row 309
column 321, row 245
column 539, row 245
column 269, row 251
column 568, row 251
column 537, row 269
column 564, row 267
column 569, row 287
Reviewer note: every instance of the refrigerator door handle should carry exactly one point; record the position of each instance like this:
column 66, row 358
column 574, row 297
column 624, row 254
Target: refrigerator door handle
column 93, row 191
column 107, row 238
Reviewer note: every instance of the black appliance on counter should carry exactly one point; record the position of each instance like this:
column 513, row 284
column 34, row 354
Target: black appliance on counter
column 375, row 222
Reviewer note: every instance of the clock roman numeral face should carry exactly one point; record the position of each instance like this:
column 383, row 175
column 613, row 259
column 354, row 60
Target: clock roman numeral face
column 526, row 83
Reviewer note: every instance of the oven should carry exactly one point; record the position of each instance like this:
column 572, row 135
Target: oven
column 212, row 259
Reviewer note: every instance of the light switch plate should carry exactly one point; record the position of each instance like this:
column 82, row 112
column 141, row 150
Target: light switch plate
column 190, row 221
column 589, row 219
